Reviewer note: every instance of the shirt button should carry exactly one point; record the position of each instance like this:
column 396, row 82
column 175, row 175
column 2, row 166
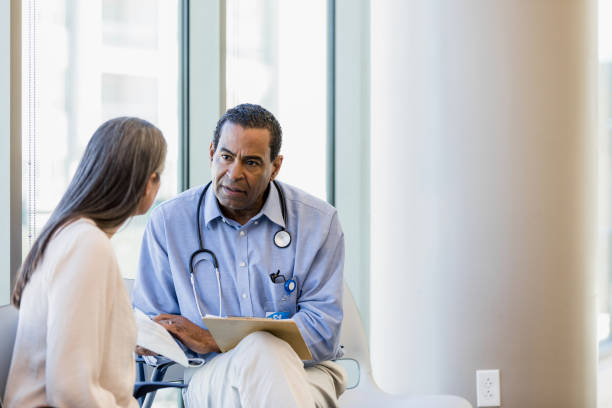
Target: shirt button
column 244, row 295
column 256, row 222
column 242, row 233
column 242, row 264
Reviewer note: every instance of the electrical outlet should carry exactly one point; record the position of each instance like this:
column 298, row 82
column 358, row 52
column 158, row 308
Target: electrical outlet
column 487, row 388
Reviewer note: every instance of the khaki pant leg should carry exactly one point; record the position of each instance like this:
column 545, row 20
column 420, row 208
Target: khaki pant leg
column 327, row 381
column 261, row 372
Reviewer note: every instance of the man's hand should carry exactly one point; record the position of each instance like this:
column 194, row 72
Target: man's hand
column 190, row 334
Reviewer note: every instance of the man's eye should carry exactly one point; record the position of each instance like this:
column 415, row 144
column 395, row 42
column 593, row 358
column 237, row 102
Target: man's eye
column 226, row 157
column 252, row 163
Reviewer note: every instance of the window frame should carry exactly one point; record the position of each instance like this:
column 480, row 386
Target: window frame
column 10, row 75
column 203, row 86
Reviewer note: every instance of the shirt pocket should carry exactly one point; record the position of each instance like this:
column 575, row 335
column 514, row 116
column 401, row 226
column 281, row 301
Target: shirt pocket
column 279, row 302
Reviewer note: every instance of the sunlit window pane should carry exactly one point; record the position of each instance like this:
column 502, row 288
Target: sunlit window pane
column 129, row 93
column 277, row 57
column 85, row 62
column 132, row 23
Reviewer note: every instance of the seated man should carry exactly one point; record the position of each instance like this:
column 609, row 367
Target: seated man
column 245, row 245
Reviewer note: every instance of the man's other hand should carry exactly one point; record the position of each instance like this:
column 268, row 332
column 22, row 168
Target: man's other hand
column 141, row 351
column 191, row 335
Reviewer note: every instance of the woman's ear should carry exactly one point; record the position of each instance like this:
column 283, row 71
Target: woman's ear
column 149, row 194
column 152, row 183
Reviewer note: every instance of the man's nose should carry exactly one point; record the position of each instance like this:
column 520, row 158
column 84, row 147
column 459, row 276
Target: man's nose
column 235, row 170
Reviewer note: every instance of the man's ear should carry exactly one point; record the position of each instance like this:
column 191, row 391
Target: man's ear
column 276, row 165
column 211, row 151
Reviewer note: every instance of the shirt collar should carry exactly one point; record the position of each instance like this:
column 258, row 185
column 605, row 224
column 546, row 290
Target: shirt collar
column 212, row 211
column 271, row 208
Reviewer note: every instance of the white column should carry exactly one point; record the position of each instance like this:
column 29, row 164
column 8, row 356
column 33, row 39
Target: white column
column 483, row 180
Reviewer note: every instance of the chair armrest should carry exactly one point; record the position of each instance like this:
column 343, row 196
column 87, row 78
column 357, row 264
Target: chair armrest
column 143, row 388
column 158, row 366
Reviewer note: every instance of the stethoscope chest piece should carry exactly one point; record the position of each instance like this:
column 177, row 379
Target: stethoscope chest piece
column 282, row 239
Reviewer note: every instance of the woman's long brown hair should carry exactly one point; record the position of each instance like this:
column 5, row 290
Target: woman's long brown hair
column 107, row 186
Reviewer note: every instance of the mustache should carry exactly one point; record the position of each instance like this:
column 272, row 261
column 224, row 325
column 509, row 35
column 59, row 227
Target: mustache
column 233, row 188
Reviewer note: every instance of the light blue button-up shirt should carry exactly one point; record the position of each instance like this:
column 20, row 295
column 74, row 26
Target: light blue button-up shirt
column 247, row 256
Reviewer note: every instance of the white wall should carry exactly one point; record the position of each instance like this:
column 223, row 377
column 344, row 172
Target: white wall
column 483, row 162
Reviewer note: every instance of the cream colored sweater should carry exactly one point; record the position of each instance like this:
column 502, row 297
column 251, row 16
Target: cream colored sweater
column 76, row 333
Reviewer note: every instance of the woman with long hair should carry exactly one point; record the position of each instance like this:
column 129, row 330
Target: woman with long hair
column 76, row 333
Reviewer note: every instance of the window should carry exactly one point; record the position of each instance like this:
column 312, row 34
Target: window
column 85, row 62
column 277, row 58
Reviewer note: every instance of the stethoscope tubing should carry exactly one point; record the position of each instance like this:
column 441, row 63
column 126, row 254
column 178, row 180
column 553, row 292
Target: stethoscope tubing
column 282, row 239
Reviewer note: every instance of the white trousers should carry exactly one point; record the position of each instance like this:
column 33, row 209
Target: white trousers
column 264, row 371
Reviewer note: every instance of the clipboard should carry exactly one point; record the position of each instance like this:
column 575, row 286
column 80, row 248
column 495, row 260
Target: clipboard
column 228, row 331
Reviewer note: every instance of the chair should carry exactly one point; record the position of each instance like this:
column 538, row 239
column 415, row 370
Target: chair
column 164, row 374
column 365, row 392
column 362, row 391
column 8, row 330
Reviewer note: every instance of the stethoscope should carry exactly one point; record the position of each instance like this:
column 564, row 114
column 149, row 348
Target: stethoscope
column 282, row 239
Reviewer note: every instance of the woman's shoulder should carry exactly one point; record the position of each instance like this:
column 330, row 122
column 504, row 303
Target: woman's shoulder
column 82, row 233
column 83, row 227
column 79, row 249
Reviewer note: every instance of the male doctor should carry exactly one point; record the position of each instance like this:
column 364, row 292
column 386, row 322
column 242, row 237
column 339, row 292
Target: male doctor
column 280, row 253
